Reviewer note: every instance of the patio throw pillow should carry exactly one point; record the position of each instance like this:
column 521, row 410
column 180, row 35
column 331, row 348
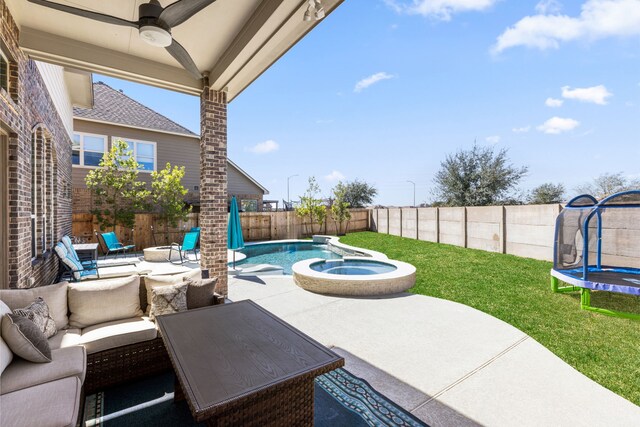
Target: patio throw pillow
column 6, row 355
column 54, row 295
column 38, row 313
column 155, row 281
column 102, row 301
column 200, row 292
column 25, row 338
column 168, row 299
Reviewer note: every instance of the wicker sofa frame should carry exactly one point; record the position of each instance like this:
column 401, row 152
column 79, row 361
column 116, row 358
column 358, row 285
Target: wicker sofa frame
column 129, row 362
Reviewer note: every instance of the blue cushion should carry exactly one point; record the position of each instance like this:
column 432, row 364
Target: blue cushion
column 66, row 241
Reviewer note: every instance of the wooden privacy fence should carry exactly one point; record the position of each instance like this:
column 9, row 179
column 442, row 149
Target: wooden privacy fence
column 255, row 226
column 526, row 231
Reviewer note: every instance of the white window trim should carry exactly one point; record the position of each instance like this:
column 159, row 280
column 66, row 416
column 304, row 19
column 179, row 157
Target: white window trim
column 135, row 150
column 6, row 59
column 105, row 138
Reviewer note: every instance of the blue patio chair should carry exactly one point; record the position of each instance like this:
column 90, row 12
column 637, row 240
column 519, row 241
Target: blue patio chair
column 72, row 268
column 189, row 243
column 112, row 245
column 86, row 263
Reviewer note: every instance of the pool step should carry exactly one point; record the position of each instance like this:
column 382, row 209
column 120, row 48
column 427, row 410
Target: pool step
column 255, row 269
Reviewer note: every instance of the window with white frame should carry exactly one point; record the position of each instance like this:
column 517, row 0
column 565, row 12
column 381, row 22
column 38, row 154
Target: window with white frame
column 143, row 151
column 88, row 149
column 42, row 193
column 4, row 71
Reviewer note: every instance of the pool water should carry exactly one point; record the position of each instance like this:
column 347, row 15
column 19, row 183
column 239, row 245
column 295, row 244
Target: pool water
column 285, row 254
column 353, row 267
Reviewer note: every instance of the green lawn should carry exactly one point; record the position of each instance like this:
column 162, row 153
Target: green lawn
column 517, row 290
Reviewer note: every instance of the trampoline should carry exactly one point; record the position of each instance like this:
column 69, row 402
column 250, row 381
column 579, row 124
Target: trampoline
column 597, row 248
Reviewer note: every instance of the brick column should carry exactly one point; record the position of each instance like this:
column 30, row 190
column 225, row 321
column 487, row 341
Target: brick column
column 213, row 185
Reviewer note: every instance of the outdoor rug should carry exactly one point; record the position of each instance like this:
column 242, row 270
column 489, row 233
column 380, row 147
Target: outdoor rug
column 341, row 400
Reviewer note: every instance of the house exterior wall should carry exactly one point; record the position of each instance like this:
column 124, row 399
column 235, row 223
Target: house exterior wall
column 26, row 107
column 53, row 77
column 175, row 149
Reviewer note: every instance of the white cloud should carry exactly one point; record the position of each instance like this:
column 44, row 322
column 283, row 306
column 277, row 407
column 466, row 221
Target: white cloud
column 264, row 147
column 553, row 103
column 493, row 139
column 372, row 79
column 438, row 9
column 523, row 129
column 598, row 19
column 596, row 94
column 557, row 125
column 334, row 176
column 548, row 6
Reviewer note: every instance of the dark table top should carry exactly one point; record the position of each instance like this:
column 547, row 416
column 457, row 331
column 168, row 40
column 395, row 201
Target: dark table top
column 228, row 352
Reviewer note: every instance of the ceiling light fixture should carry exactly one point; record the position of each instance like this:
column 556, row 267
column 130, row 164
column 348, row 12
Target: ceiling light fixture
column 315, row 11
column 155, row 35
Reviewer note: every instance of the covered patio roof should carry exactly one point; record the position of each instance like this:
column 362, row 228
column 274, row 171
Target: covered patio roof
column 231, row 41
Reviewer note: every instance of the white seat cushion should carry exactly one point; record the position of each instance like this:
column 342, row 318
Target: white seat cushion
column 99, row 301
column 118, row 333
column 52, row 404
column 6, row 355
column 65, row 362
column 54, row 295
column 65, row 338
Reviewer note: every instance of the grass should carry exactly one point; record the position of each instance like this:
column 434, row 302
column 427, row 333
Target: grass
column 517, row 290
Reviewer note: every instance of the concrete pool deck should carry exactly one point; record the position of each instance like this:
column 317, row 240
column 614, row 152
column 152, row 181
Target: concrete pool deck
column 447, row 363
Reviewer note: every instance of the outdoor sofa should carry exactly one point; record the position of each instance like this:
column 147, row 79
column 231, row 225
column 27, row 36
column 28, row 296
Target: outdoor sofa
column 104, row 337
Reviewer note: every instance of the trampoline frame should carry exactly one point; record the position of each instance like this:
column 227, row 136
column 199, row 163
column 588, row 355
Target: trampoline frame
column 583, row 284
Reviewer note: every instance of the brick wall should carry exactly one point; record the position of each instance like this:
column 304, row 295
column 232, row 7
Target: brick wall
column 27, row 110
column 213, row 185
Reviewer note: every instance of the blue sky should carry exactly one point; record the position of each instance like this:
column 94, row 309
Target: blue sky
column 382, row 90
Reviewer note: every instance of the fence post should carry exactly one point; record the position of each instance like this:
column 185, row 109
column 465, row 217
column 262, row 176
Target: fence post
column 503, row 230
column 437, row 225
column 464, row 226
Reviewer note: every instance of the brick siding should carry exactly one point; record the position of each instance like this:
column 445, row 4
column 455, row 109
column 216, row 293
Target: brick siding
column 27, row 110
column 213, row 185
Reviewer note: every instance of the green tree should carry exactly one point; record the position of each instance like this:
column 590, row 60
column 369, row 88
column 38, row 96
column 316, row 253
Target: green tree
column 117, row 193
column 167, row 195
column 340, row 208
column 476, row 177
column 608, row 184
column 547, row 193
column 359, row 194
column 311, row 206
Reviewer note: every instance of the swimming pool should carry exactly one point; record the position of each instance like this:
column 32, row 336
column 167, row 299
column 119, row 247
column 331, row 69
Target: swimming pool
column 285, row 254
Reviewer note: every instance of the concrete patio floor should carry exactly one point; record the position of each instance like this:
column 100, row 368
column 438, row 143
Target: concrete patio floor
column 447, row 363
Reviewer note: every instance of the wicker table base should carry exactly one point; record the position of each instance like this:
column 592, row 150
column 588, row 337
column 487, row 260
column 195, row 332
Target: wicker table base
column 259, row 370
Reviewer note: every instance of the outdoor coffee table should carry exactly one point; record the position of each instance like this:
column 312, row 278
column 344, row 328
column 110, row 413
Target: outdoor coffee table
column 238, row 364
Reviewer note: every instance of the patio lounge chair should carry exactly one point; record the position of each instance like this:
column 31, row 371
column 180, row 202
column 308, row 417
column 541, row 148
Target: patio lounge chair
column 71, row 267
column 189, row 243
column 111, row 245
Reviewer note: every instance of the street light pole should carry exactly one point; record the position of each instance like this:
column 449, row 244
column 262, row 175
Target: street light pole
column 414, row 193
column 289, row 197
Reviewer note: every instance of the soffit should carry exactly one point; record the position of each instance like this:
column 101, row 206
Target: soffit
column 234, row 41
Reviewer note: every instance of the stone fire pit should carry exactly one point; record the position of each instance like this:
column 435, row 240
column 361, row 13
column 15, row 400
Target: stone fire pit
column 160, row 254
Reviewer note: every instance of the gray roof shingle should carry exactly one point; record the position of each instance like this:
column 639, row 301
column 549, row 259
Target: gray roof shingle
column 112, row 106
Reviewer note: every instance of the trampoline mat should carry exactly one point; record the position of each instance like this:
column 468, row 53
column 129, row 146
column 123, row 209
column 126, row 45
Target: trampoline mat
column 615, row 278
column 626, row 281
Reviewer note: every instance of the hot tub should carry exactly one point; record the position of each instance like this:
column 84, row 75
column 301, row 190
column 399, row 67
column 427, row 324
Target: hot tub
column 354, row 276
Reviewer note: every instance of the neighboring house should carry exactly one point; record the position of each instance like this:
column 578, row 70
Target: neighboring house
column 154, row 139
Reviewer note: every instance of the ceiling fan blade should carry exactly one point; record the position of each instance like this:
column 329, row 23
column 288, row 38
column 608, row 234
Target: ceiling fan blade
column 178, row 12
column 180, row 54
column 86, row 13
